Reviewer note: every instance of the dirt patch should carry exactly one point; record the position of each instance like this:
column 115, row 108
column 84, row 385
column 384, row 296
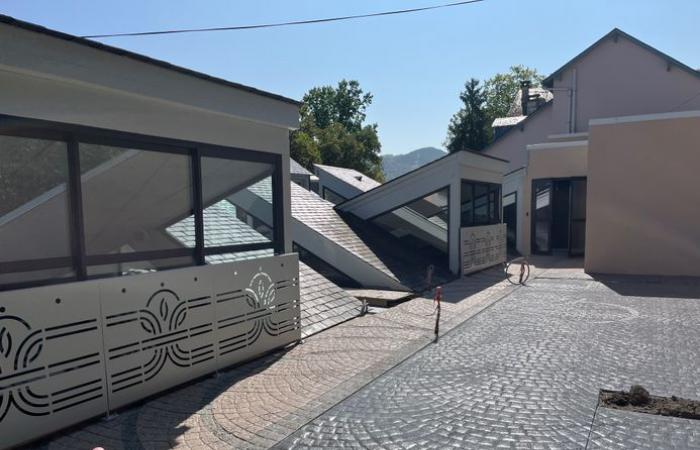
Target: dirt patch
column 637, row 399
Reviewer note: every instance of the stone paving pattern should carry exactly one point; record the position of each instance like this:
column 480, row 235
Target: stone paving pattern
column 526, row 374
column 258, row 404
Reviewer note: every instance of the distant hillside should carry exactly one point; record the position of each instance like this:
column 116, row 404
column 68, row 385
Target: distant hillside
column 396, row 165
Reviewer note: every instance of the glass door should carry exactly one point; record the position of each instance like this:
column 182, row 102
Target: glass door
column 577, row 240
column 541, row 234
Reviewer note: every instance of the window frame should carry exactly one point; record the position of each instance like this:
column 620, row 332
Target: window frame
column 73, row 135
column 494, row 215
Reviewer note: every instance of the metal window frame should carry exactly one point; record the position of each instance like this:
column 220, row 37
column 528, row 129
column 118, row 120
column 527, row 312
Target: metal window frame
column 497, row 217
column 533, row 221
column 74, row 135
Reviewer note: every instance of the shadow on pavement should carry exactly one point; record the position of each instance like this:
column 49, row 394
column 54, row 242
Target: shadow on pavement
column 651, row 286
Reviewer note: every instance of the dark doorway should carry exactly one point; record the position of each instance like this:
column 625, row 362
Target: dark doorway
column 558, row 215
column 510, row 218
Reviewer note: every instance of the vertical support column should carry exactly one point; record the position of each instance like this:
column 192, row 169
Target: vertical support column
column 281, row 205
column 197, row 206
column 453, row 230
column 76, row 207
column 287, row 201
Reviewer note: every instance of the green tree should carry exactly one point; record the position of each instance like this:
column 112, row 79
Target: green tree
column 502, row 88
column 468, row 127
column 332, row 130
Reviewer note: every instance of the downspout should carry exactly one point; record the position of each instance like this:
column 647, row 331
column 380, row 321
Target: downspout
column 572, row 103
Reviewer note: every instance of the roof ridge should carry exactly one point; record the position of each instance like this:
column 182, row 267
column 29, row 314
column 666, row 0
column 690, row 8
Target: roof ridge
column 9, row 20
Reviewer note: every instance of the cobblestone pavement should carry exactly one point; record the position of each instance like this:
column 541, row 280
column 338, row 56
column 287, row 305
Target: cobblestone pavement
column 260, row 403
column 526, row 373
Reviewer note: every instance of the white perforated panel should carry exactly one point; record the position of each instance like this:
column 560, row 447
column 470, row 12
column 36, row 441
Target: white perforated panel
column 482, row 247
column 73, row 351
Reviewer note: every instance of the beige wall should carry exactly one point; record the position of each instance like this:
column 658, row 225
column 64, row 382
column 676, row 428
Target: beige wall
column 620, row 78
column 549, row 160
column 511, row 146
column 643, row 206
column 615, row 78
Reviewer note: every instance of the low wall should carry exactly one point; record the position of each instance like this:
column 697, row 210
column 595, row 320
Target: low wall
column 74, row 351
column 643, row 202
column 482, row 247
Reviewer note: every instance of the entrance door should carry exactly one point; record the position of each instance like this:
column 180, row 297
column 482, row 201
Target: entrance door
column 510, row 218
column 541, row 216
column 577, row 242
column 559, row 216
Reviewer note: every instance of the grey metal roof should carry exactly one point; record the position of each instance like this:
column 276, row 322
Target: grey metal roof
column 319, row 215
column 507, row 121
column 297, row 169
column 516, row 108
column 323, row 303
column 146, row 59
column 222, row 227
column 350, row 176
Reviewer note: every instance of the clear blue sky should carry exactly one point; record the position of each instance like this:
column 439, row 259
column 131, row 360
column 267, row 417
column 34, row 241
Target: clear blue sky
column 414, row 64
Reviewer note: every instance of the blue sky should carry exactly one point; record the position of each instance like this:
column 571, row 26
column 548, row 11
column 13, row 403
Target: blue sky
column 414, row 64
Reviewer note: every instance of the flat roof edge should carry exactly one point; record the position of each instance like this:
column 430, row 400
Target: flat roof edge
column 644, row 118
column 11, row 21
column 555, row 145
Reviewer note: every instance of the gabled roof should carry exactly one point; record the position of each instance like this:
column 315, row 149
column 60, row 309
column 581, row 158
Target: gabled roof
column 297, row 169
column 616, row 33
column 350, row 176
column 145, row 59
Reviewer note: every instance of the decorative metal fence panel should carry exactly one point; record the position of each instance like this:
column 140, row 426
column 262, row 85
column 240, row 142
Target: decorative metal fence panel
column 74, row 351
column 482, row 247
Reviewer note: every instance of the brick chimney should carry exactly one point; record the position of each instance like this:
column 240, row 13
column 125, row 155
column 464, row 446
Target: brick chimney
column 525, row 97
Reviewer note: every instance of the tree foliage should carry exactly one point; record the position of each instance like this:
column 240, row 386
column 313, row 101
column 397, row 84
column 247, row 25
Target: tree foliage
column 470, row 127
column 332, row 130
column 502, row 89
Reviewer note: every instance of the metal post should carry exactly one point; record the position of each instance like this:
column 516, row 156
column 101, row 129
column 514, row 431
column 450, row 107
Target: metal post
column 437, row 300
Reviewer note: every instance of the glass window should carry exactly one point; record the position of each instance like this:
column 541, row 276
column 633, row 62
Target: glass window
column 480, row 204
column 332, row 197
column 34, row 193
column 131, row 196
column 467, row 207
column 420, row 224
column 138, row 267
column 237, row 201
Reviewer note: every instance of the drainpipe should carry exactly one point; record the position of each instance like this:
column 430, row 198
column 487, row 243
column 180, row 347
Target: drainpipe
column 572, row 103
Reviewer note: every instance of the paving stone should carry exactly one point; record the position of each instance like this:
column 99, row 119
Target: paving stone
column 526, row 372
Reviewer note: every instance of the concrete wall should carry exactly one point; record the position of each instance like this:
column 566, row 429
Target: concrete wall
column 643, row 213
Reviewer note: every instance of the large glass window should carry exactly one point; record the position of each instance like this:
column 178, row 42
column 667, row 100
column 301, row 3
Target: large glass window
column 480, row 204
column 130, row 196
column 421, row 223
column 91, row 203
column 238, row 202
column 34, row 210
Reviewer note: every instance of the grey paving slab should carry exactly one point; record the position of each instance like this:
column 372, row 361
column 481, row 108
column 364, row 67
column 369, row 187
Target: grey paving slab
column 526, row 372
